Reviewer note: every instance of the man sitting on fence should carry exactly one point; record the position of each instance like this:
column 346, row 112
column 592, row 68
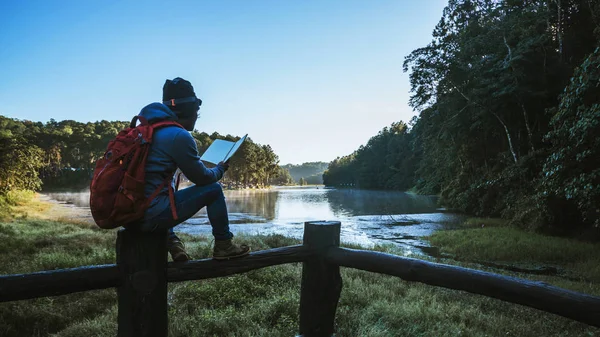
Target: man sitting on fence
column 173, row 148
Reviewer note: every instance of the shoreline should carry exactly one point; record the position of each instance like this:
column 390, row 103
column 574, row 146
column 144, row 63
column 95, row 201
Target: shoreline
column 69, row 212
column 265, row 301
column 404, row 230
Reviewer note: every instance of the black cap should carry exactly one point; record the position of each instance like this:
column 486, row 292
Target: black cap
column 179, row 95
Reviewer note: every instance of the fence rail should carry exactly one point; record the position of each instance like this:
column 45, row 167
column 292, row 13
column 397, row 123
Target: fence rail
column 142, row 272
column 539, row 295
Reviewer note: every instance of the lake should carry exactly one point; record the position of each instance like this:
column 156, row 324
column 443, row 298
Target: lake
column 367, row 217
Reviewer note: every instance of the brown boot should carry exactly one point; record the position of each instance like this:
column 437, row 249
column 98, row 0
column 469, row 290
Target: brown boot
column 226, row 249
column 177, row 249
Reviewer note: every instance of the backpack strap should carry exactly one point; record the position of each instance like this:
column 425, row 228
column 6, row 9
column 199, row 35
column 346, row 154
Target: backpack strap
column 165, row 123
column 167, row 180
column 155, row 193
column 134, row 120
column 144, row 121
column 171, row 196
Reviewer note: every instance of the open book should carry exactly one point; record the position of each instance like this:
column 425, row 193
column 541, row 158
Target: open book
column 221, row 150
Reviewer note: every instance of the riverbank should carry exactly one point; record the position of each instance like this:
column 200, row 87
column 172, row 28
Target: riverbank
column 265, row 302
column 489, row 243
column 368, row 217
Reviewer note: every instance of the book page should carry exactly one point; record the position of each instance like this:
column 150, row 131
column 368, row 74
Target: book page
column 217, row 151
column 235, row 147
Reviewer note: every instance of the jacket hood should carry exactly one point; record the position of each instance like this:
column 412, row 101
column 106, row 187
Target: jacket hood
column 156, row 112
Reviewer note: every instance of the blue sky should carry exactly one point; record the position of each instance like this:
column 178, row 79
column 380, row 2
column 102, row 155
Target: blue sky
column 314, row 79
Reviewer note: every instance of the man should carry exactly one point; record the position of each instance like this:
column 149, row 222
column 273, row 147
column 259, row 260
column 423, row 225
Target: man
column 172, row 148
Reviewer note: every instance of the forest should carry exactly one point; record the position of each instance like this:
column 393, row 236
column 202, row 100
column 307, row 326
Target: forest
column 62, row 155
column 310, row 173
column 508, row 101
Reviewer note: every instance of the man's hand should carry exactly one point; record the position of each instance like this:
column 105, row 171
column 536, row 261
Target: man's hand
column 224, row 165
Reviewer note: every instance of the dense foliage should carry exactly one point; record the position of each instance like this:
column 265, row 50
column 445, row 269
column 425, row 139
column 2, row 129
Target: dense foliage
column 59, row 154
column 572, row 169
column 311, row 172
column 19, row 162
column 63, row 155
column 282, row 177
column 385, row 162
column 498, row 134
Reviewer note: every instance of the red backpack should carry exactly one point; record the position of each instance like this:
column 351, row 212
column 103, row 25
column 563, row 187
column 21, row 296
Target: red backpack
column 117, row 189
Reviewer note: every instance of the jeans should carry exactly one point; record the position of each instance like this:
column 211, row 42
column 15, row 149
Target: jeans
column 187, row 203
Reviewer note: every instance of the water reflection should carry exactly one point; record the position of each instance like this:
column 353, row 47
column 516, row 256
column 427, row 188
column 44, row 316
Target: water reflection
column 368, row 217
column 353, row 202
column 261, row 203
column 303, row 204
column 292, row 204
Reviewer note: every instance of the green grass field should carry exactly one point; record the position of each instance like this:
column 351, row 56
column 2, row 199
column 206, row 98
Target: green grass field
column 265, row 302
column 510, row 245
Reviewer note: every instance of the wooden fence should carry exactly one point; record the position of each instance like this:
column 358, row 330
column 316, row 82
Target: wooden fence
column 142, row 272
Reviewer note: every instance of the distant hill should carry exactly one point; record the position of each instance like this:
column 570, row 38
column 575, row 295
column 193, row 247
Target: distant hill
column 311, row 172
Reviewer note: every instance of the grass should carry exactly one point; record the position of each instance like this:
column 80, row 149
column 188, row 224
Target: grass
column 258, row 303
column 20, row 204
column 483, row 223
column 513, row 245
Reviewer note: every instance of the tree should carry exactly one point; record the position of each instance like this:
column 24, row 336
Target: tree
column 281, row 178
column 571, row 172
column 63, row 154
column 484, row 85
column 487, row 89
column 385, row 162
column 307, row 169
column 19, row 160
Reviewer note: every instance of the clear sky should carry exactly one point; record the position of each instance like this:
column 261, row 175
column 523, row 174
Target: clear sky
column 313, row 79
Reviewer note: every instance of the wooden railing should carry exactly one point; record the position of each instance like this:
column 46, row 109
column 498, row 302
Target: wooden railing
column 142, row 272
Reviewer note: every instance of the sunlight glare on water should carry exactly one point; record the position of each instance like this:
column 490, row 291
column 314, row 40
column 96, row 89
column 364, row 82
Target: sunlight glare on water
column 367, row 217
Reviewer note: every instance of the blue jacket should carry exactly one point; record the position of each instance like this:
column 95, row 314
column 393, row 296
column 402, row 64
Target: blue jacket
column 172, row 147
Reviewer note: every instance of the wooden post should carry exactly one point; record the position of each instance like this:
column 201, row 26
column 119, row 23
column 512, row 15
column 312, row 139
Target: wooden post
column 142, row 296
column 321, row 282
